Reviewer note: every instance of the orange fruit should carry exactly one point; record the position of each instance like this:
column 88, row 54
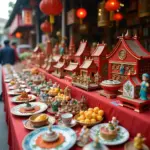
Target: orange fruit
column 87, row 120
column 93, row 115
column 85, row 112
column 90, row 109
column 96, row 111
column 96, row 108
column 82, row 117
column 81, row 112
column 99, row 118
column 78, row 118
column 88, row 115
column 101, row 112
column 82, row 121
column 93, row 120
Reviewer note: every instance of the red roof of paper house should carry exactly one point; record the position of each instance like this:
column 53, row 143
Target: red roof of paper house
column 133, row 46
column 59, row 65
column 57, row 58
column 72, row 66
column 83, row 49
column 132, row 55
column 87, row 64
column 134, row 80
column 37, row 49
column 99, row 50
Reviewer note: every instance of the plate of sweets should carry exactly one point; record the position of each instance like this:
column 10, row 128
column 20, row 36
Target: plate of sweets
column 38, row 120
column 18, row 91
column 110, row 133
column 17, row 86
column 7, row 80
column 138, row 143
column 12, row 82
column 23, row 97
column 28, row 109
column 90, row 117
column 52, row 137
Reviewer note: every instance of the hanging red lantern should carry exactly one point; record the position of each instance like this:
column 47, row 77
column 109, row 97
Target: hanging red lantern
column 18, row 35
column 51, row 7
column 118, row 16
column 46, row 27
column 112, row 5
column 81, row 13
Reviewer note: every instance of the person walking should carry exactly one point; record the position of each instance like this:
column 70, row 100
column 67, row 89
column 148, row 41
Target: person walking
column 7, row 54
column 14, row 46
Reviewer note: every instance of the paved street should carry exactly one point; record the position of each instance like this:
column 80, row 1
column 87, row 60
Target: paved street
column 3, row 129
column 3, row 125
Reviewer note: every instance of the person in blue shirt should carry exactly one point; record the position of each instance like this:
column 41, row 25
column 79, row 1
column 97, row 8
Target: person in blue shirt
column 7, row 54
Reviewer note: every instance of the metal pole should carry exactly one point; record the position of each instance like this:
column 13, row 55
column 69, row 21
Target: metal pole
column 37, row 26
column 64, row 19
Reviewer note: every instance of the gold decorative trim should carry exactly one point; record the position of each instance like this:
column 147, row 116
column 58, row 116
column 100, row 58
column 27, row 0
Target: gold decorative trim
column 120, row 62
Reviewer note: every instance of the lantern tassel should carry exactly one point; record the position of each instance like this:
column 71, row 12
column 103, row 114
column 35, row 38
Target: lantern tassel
column 81, row 21
column 52, row 19
column 48, row 39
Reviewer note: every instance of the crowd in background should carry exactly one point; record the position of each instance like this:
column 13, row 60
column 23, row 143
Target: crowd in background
column 8, row 53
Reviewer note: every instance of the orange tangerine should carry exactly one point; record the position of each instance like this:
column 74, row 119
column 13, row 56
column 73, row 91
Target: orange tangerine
column 81, row 112
column 93, row 115
column 87, row 120
column 82, row 117
column 90, row 109
column 93, row 120
column 99, row 118
column 101, row 112
column 96, row 108
column 88, row 115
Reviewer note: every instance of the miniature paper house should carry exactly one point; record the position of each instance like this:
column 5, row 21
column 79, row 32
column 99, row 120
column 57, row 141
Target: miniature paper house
column 88, row 68
column 99, row 56
column 131, row 87
column 59, row 69
column 128, row 56
column 52, row 61
column 82, row 52
column 72, row 67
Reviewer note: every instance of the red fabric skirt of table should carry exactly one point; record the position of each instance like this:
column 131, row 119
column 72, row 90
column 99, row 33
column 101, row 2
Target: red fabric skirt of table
column 131, row 120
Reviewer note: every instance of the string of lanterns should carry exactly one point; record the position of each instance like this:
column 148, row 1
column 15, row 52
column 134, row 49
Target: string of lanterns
column 54, row 7
column 51, row 8
column 110, row 6
column 114, row 5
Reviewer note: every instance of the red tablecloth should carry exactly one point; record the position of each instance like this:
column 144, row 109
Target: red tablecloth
column 134, row 122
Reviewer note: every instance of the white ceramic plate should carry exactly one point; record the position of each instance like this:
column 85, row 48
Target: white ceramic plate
column 72, row 124
column 7, row 80
column 14, row 99
column 123, row 135
column 91, row 147
column 28, row 125
column 69, row 134
column 23, row 85
column 14, row 92
column 15, row 110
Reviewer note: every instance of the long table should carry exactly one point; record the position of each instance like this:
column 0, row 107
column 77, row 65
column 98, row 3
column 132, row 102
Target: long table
column 134, row 122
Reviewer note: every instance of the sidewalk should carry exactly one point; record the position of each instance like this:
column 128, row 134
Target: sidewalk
column 3, row 125
column 3, row 129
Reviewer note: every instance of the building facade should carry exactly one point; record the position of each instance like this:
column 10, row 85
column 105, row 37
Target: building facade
column 3, row 36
